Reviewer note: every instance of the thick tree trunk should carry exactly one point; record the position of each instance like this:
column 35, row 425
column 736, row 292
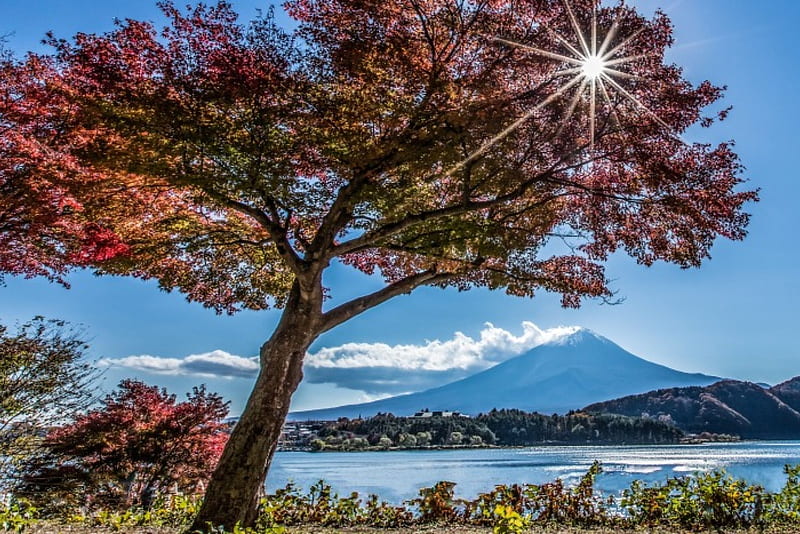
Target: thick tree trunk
column 234, row 489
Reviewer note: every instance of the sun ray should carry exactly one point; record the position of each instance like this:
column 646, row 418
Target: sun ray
column 577, row 28
column 572, row 105
column 596, row 68
column 563, row 41
column 636, row 101
column 612, row 32
column 513, row 126
column 623, row 44
column 592, row 110
column 572, row 70
column 539, row 51
column 621, row 74
column 611, row 106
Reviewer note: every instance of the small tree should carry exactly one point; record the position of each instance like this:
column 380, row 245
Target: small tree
column 141, row 441
column 43, row 382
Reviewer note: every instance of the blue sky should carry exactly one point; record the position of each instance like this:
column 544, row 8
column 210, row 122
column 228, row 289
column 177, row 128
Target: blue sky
column 734, row 317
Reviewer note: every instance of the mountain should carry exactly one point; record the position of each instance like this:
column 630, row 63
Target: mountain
column 555, row 377
column 726, row 407
column 789, row 392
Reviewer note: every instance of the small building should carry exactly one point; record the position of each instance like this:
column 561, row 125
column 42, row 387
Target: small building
column 436, row 413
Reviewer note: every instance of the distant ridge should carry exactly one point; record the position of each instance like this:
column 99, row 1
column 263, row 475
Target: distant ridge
column 789, row 392
column 565, row 374
column 733, row 407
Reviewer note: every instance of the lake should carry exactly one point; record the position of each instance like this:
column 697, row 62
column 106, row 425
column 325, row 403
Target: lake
column 397, row 475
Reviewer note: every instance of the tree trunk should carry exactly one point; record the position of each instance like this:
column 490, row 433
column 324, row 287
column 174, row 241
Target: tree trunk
column 234, row 489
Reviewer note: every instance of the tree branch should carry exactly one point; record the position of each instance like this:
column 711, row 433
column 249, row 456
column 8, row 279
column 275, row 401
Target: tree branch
column 344, row 312
column 276, row 231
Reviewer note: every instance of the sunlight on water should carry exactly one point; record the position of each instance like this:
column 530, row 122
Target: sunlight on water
column 397, row 476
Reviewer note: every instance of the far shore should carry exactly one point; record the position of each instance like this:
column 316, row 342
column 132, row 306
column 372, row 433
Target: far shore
column 688, row 440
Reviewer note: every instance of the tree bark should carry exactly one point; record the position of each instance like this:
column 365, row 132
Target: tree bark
column 234, row 489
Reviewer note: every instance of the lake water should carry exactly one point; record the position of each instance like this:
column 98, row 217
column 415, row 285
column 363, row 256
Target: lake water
column 397, row 475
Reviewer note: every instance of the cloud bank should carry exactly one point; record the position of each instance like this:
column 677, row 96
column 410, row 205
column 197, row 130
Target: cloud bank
column 375, row 368
column 217, row 363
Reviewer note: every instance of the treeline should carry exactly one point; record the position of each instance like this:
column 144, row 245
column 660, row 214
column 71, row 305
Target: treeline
column 496, row 428
column 515, row 427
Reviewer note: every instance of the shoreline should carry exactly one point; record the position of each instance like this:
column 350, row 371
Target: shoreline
column 685, row 441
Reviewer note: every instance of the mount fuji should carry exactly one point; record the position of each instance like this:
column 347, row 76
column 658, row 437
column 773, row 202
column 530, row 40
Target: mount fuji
column 565, row 374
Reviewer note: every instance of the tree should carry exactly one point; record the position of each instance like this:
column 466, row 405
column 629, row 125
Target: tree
column 44, row 227
column 43, row 381
column 139, row 442
column 425, row 142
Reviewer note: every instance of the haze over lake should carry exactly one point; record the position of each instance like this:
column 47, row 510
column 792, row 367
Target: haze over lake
column 398, row 475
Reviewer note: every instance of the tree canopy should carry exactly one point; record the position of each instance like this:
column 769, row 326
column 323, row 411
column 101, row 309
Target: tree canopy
column 227, row 159
column 44, row 380
column 139, row 442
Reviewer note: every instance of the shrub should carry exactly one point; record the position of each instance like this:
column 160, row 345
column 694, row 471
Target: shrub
column 553, row 502
column 509, row 521
column 436, row 504
column 138, row 444
column 17, row 515
column 703, row 500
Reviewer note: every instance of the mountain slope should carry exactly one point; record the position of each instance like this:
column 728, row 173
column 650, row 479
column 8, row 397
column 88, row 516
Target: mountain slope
column 788, row 392
column 729, row 406
column 556, row 377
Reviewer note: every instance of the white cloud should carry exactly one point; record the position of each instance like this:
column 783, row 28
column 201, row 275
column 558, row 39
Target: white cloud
column 217, row 363
column 461, row 352
column 377, row 369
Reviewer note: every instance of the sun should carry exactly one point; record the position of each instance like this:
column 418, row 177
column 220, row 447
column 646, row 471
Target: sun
column 592, row 68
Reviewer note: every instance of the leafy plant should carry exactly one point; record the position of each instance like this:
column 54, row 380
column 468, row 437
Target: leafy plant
column 166, row 511
column 703, row 500
column 17, row 515
column 289, row 506
column 483, row 510
column 508, row 521
column 554, row 502
column 436, row 504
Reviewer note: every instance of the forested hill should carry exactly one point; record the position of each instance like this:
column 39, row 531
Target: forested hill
column 788, row 392
column 498, row 427
column 726, row 407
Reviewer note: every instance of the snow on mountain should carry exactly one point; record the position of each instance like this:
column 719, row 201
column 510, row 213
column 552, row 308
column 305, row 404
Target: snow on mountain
column 567, row 373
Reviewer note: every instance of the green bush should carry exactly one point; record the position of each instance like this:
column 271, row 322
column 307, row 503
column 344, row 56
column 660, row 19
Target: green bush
column 700, row 501
column 509, row 521
column 17, row 515
column 289, row 506
column 784, row 507
column 166, row 511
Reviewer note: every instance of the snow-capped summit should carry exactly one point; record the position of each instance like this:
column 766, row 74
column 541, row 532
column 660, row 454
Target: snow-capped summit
column 568, row 372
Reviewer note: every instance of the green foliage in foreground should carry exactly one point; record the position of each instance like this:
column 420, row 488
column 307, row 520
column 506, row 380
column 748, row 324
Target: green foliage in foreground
column 16, row 515
column 700, row 501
